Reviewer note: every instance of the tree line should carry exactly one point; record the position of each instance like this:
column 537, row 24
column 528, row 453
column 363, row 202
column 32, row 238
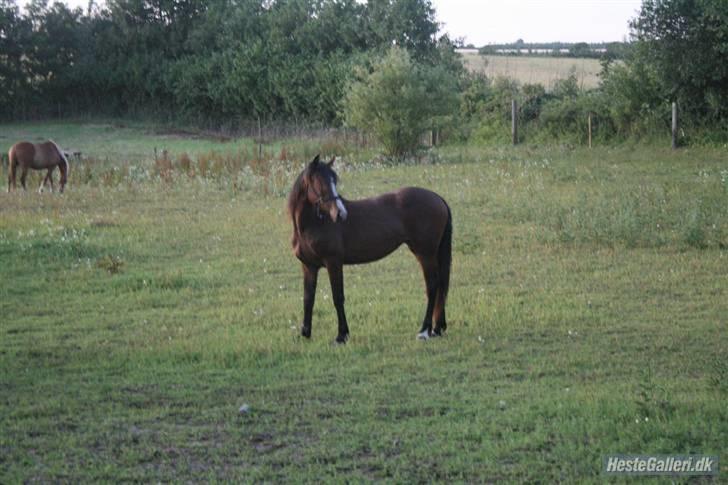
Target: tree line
column 594, row 50
column 204, row 60
column 379, row 66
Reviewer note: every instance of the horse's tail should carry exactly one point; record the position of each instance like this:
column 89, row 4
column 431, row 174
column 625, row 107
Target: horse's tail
column 444, row 255
column 12, row 162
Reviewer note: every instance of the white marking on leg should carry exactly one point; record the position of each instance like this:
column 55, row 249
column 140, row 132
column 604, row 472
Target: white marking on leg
column 340, row 205
column 423, row 335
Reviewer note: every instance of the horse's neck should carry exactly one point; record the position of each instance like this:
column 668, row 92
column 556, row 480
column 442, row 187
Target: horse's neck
column 305, row 218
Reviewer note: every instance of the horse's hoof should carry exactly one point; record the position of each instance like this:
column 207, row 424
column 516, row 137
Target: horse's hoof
column 438, row 332
column 423, row 335
column 306, row 332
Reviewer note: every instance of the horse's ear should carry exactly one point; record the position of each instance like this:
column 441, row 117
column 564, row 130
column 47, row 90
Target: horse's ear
column 331, row 162
column 315, row 160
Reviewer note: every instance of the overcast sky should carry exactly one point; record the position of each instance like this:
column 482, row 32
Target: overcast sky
column 497, row 21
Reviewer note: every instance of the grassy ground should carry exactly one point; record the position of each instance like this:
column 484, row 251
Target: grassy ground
column 142, row 308
column 539, row 69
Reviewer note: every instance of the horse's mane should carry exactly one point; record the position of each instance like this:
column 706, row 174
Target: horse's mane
column 298, row 192
column 60, row 153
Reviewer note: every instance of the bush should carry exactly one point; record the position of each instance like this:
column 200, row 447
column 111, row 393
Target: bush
column 397, row 100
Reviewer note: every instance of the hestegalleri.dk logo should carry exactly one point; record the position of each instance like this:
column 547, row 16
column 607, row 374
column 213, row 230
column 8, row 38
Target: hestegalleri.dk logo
column 661, row 465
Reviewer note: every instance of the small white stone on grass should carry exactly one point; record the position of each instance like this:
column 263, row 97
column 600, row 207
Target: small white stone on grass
column 244, row 409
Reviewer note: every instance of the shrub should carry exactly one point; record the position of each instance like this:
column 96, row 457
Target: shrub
column 398, row 100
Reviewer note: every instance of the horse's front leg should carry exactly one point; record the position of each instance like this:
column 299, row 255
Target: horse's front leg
column 310, row 277
column 50, row 177
column 336, row 277
column 45, row 181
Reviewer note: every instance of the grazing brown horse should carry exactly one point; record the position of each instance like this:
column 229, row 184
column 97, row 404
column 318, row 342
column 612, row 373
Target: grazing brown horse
column 38, row 156
column 331, row 231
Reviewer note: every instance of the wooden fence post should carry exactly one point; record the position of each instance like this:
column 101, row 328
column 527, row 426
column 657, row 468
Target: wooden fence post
column 514, row 121
column 674, row 125
column 260, row 140
column 588, row 122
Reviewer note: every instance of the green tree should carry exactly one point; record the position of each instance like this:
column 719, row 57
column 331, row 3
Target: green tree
column 15, row 36
column 685, row 42
column 398, row 100
column 580, row 49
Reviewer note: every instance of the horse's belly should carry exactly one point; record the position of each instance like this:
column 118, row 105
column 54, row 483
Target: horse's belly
column 41, row 158
column 371, row 247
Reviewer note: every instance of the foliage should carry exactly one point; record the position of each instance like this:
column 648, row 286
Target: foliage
column 212, row 63
column 685, row 42
column 398, row 99
column 677, row 55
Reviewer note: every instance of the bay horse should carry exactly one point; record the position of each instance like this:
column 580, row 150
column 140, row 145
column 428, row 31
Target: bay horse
column 330, row 231
column 38, row 156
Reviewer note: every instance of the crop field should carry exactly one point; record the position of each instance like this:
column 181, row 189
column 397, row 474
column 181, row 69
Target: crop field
column 537, row 69
column 142, row 308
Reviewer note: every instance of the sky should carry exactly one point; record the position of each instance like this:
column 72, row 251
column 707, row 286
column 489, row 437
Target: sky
column 483, row 22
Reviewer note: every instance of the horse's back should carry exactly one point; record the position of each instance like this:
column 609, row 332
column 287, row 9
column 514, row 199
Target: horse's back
column 378, row 225
column 421, row 201
column 35, row 155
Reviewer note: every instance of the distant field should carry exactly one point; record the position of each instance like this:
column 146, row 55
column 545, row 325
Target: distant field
column 544, row 70
column 144, row 306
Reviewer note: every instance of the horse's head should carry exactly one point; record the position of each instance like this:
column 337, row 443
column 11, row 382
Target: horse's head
column 321, row 191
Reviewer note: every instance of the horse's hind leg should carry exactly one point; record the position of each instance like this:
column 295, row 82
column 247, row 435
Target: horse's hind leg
column 429, row 269
column 23, row 176
column 11, row 169
column 438, row 314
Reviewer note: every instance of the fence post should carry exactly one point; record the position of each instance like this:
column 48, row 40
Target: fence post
column 514, row 121
column 260, row 140
column 588, row 122
column 674, row 125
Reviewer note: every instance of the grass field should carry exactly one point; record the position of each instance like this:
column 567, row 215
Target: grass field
column 538, row 69
column 143, row 307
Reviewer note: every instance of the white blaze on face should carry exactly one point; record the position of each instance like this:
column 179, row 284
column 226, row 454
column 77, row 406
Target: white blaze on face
column 339, row 205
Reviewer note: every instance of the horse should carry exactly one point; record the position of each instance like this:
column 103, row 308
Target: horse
column 38, row 156
column 331, row 231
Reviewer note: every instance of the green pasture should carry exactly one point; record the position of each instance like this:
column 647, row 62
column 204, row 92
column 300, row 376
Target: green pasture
column 144, row 306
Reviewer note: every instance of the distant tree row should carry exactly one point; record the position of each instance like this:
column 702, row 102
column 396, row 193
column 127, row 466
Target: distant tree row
column 600, row 50
column 204, row 60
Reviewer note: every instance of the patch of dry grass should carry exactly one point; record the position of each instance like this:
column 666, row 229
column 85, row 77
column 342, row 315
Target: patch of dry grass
column 543, row 70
